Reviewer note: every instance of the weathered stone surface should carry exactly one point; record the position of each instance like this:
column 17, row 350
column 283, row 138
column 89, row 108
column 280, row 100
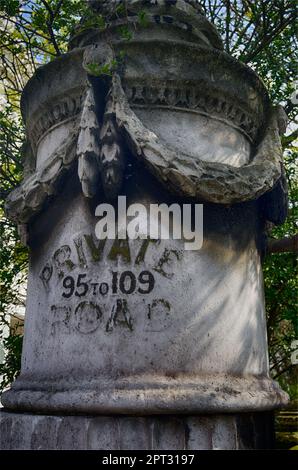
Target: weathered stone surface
column 145, row 327
column 37, row 432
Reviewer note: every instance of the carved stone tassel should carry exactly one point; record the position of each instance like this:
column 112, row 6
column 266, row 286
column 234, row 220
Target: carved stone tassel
column 88, row 148
column 112, row 159
column 100, row 149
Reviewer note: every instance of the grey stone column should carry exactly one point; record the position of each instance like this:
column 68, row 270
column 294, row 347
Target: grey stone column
column 143, row 344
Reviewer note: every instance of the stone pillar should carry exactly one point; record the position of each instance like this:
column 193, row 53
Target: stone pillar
column 156, row 345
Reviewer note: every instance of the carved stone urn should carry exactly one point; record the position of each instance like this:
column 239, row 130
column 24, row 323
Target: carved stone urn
column 126, row 331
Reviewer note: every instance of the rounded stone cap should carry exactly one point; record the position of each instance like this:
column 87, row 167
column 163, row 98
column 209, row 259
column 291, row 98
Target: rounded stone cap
column 180, row 16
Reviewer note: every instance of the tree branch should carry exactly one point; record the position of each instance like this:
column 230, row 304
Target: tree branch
column 265, row 41
column 50, row 23
column 288, row 139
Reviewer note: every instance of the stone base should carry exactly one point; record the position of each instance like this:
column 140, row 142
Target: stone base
column 41, row 432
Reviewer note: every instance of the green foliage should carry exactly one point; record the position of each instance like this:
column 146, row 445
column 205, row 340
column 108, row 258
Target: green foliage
column 11, row 366
column 91, row 21
column 260, row 33
column 143, row 19
column 40, row 28
column 11, row 7
column 13, row 263
column 125, row 33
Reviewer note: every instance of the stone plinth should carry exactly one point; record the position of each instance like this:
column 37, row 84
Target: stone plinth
column 219, row 432
column 185, row 329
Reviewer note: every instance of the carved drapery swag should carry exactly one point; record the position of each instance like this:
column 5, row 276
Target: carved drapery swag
column 102, row 139
column 192, row 177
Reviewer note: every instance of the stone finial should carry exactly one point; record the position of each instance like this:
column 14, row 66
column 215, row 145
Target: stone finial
column 182, row 17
